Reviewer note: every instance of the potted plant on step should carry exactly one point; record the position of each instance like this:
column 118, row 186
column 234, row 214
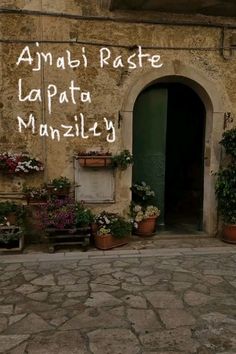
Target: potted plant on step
column 143, row 213
column 113, row 231
column 226, row 188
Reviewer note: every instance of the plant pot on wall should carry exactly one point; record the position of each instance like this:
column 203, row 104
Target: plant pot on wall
column 146, row 227
column 94, row 161
column 229, row 233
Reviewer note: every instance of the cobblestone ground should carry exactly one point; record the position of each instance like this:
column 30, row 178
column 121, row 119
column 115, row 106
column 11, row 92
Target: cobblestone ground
column 158, row 304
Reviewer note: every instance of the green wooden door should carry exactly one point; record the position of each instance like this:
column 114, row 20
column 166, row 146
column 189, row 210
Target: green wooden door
column 149, row 141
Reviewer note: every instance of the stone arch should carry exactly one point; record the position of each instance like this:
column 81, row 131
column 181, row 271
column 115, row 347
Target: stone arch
column 214, row 102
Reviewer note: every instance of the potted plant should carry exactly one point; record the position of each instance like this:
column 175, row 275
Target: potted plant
column 59, row 186
column 143, row 213
column 19, row 164
column 226, row 188
column 11, row 238
column 11, row 213
column 65, row 222
column 113, row 231
column 35, row 194
column 94, row 159
column 122, row 160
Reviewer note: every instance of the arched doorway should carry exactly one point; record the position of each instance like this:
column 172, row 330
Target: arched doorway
column 168, row 148
column 214, row 96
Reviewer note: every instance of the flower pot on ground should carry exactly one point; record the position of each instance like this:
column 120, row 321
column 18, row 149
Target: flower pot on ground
column 11, row 213
column 66, row 223
column 113, row 231
column 11, row 238
column 226, row 188
column 144, row 215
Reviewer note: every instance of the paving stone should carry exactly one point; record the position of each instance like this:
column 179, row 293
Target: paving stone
column 3, row 323
column 16, row 318
column 107, row 280
column 181, row 285
column 141, row 271
column 76, row 287
column 194, row 298
column 101, row 287
column 28, row 275
column 143, row 321
column 115, row 341
column 12, row 267
column 10, row 341
column 46, row 280
column 6, row 309
column 102, row 299
column 155, row 279
column 95, row 318
column 176, row 318
column 20, row 349
column 27, row 289
column 74, row 294
column 67, row 279
column 164, row 299
column 69, row 342
column 135, row 301
column 39, row 296
column 213, row 280
column 59, row 321
column 32, row 323
column 133, row 288
column 174, row 340
column 218, row 318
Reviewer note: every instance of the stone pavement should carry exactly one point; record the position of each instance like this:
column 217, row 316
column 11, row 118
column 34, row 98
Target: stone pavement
column 119, row 302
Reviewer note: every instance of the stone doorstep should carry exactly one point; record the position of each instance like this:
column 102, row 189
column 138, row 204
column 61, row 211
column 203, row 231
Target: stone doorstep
column 166, row 252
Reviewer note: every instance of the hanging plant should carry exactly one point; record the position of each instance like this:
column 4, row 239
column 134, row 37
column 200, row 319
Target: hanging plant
column 17, row 164
column 122, row 160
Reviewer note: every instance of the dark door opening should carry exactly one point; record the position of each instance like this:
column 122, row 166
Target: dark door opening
column 184, row 171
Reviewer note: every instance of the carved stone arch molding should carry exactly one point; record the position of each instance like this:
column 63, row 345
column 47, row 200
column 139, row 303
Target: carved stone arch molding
column 215, row 99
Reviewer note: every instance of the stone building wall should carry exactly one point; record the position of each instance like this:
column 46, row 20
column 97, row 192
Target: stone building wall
column 109, row 86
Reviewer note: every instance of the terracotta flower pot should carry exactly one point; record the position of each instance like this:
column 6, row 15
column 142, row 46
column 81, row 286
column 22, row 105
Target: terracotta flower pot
column 106, row 242
column 94, row 161
column 146, row 227
column 12, row 218
column 229, row 233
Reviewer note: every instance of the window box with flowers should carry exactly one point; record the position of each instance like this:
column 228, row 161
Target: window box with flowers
column 100, row 159
column 112, row 231
column 19, row 164
column 144, row 215
column 94, row 159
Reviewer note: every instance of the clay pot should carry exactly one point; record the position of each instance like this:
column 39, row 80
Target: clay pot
column 12, row 218
column 229, row 233
column 146, row 227
column 106, row 242
column 94, row 161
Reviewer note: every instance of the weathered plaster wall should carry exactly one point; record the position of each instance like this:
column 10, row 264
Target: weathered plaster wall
column 108, row 87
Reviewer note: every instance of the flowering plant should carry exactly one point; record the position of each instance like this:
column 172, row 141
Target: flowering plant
column 58, row 213
column 139, row 213
column 35, row 193
column 60, row 183
column 122, row 160
column 18, row 163
column 142, row 194
column 114, row 224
